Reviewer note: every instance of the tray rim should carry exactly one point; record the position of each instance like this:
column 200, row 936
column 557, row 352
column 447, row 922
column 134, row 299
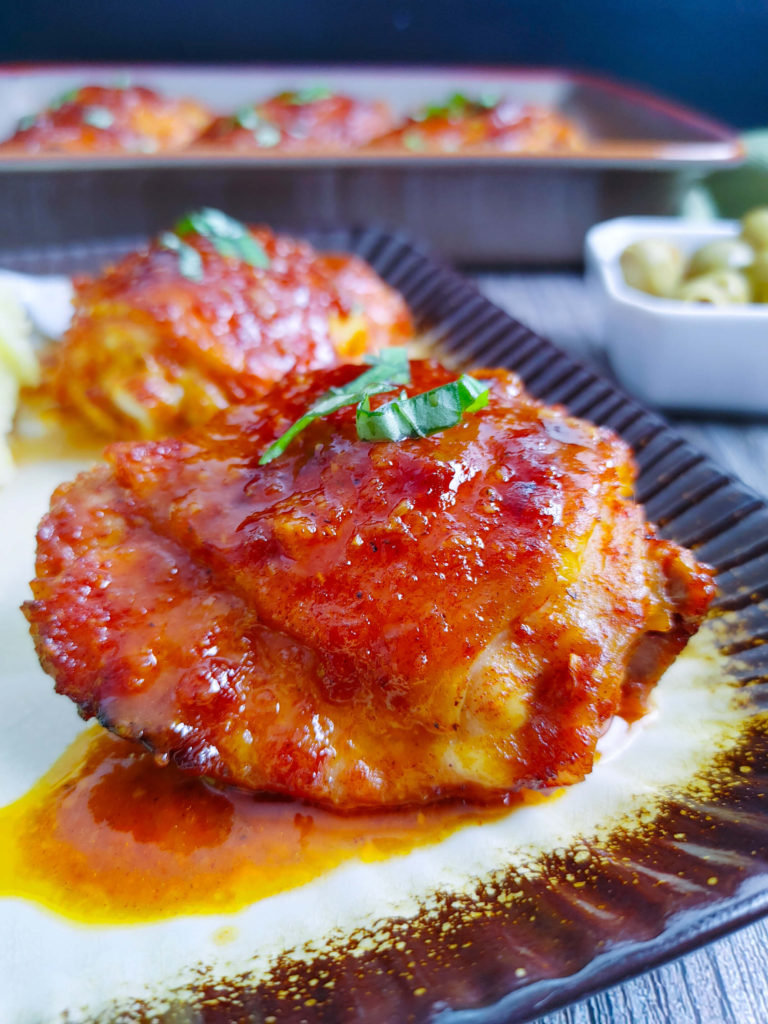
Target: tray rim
column 723, row 146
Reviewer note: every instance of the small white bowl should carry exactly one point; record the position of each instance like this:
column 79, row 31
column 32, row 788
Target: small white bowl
column 678, row 355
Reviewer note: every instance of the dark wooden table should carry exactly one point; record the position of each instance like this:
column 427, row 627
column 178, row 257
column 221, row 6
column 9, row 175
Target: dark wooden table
column 727, row 982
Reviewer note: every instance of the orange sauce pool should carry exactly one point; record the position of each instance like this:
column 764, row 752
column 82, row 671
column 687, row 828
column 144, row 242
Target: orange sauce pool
column 107, row 836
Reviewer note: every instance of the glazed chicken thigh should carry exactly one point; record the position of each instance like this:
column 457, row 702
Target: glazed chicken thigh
column 364, row 624
column 299, row 119
column 172, row 334
column 97, row 119
column 486, row 125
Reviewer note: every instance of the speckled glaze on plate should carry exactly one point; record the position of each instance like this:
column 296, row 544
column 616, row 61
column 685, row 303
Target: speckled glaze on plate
column 681, row 861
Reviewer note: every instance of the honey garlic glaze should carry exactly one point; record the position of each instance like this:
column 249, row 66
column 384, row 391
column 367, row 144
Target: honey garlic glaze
column 499, row 880
column 110, row 836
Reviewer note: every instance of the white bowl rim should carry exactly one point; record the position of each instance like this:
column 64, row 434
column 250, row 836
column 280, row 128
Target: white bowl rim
column 606, row 240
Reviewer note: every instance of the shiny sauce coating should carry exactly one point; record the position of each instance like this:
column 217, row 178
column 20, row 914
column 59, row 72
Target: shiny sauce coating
column 363, row 625
column 293, row 121
column 109, row 836
column 151, row 350
column 506, row 126
column 97, row 119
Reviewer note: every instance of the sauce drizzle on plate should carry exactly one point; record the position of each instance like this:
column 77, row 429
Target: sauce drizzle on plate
column 108, row 836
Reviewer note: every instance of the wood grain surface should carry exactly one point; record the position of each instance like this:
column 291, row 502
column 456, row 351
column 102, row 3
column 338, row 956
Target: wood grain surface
column 726, row 982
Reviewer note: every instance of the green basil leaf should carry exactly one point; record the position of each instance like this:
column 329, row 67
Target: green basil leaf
column 414, row 140
column 389, row 368
column 230, row 237
column 65, row 97
column 310, row 94
column 268, row 135
column 26, row 122
column 454, row 106
column 423, row 414
column 98, row 117
column 190, row 261
column 457, row 106
column 489, row 100
column 249, row 118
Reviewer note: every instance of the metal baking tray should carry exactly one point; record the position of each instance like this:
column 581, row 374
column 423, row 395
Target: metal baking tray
column 490, row 209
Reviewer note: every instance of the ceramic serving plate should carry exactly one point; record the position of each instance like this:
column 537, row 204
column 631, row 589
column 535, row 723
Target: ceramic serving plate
column 498, row 208
column 456, row 916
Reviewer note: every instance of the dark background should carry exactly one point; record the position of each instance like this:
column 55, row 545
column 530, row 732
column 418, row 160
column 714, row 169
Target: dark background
column 712, row 54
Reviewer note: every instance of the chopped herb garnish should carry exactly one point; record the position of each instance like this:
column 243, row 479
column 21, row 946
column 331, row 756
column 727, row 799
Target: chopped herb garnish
column 98, row 117
column 387, row 369
column 65, row 97
column 190, row 261
column 264, row 131
column 268, row 135
column 248, row 118
column 457, row 106
column 26, row 122
column 310, row 94
column 399, row 419
column 423, row 414
column 489, row 100
column 230, row 237
column 413, row 140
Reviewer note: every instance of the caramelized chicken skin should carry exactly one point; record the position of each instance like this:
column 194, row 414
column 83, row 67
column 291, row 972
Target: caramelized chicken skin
column 151, row 350
column 112, row 120
column 462, row 125
column 298, row 120
column 99, row 119
column 364, row 624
